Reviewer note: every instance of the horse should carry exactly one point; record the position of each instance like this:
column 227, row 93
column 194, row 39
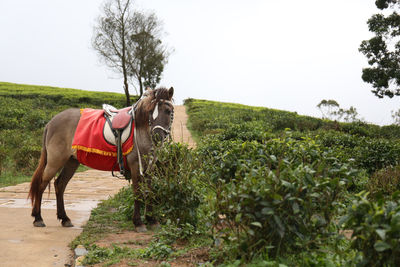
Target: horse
column 152, row 115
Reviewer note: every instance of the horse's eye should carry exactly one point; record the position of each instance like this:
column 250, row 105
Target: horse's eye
column 168, row 111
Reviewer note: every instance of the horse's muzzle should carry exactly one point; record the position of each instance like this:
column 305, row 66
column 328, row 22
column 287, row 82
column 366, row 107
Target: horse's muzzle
column 159, row 134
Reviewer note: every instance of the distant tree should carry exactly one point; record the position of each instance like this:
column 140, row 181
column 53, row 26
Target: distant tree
column 383, row 51
column 396, row 116
column 129, row 42
column 331, row 109
column 328, row 108
column 349, row 115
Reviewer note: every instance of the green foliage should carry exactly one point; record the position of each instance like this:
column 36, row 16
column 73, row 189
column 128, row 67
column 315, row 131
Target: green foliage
column 174, row 188
column 384, row 182
column 110, row 256
column 170, row 232
column 280, row 195
column 382, row 51
column 157, row 251
column 175, row 184
column 376, row 230
column 370, row 154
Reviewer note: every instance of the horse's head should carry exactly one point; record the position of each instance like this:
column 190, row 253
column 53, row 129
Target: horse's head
column 159, row 111
column 161, row 115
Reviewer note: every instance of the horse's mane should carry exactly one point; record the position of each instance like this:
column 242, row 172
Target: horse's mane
column 147, row 104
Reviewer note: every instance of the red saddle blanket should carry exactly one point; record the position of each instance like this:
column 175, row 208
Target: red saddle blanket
column 91, row 148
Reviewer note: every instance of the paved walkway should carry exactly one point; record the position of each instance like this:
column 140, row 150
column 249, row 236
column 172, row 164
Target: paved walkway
column 21, row 244
column 24, row 245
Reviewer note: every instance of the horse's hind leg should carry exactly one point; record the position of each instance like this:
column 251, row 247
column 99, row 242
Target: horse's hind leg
column 59, row 184
column 49, row 172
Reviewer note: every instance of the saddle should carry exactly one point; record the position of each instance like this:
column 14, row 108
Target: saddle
column 120, row 117
column 117, row 130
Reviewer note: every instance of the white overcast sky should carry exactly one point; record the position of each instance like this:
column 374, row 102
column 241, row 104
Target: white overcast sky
column 279, row 54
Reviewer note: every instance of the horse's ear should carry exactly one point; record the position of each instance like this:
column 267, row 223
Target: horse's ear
column 170, row 92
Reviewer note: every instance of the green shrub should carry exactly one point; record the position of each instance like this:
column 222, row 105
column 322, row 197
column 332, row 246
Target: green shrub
column 375, row 154
column 384, row 182
column 368, row 153
column 175, row 179
column 376, row 230
column 280, row 196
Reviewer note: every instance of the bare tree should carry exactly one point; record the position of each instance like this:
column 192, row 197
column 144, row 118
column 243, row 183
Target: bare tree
column 111, row 36
column 129, row 42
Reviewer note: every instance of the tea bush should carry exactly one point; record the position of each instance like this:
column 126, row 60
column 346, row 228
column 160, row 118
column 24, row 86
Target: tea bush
column 175, row 185
column 376, row 230
column 384, row 182
column 370, row 154
column 281, row 195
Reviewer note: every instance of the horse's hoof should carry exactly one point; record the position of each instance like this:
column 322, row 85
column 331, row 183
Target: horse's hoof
column 39, row 224
column 67, row 224
column 141, row 228
column 154, row 226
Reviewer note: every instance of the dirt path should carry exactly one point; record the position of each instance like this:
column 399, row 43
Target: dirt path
column 180, row 133
column 21, row 244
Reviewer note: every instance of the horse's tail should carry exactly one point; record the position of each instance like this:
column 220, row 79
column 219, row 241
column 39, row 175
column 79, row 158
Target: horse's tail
column 38, row 174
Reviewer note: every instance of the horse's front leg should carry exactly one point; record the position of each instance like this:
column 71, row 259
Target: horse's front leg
column 137, row 220
column 150, row 219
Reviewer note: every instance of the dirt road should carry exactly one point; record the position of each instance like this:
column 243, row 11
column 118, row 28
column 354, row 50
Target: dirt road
column 21, row 244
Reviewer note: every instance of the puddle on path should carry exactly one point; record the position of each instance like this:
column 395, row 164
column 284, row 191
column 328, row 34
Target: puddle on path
column 77, row 205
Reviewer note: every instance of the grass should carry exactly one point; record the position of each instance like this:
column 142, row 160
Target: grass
column 109, row 218
column 8, row 179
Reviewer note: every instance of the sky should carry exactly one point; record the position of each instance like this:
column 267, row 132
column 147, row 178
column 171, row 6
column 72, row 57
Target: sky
column 286, row 55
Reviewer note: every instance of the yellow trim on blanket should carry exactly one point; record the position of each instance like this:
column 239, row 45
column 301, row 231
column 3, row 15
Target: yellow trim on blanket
column 101, row 152
column 81, row 110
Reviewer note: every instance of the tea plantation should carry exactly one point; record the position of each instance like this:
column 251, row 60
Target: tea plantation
column 263, row 187
column 282, row 187
column 272, row 188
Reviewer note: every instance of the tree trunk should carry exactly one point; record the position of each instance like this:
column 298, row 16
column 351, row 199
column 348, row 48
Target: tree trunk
column 126, row 89
column 140, row 87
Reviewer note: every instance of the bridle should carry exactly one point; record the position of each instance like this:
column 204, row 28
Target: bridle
column 167, row 132
column 155, row 115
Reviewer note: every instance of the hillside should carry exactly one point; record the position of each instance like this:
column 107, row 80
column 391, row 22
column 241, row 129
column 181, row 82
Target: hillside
column 263, row 187
column 25, row 111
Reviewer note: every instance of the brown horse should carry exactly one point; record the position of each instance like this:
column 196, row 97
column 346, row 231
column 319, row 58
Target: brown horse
column 153, row 115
